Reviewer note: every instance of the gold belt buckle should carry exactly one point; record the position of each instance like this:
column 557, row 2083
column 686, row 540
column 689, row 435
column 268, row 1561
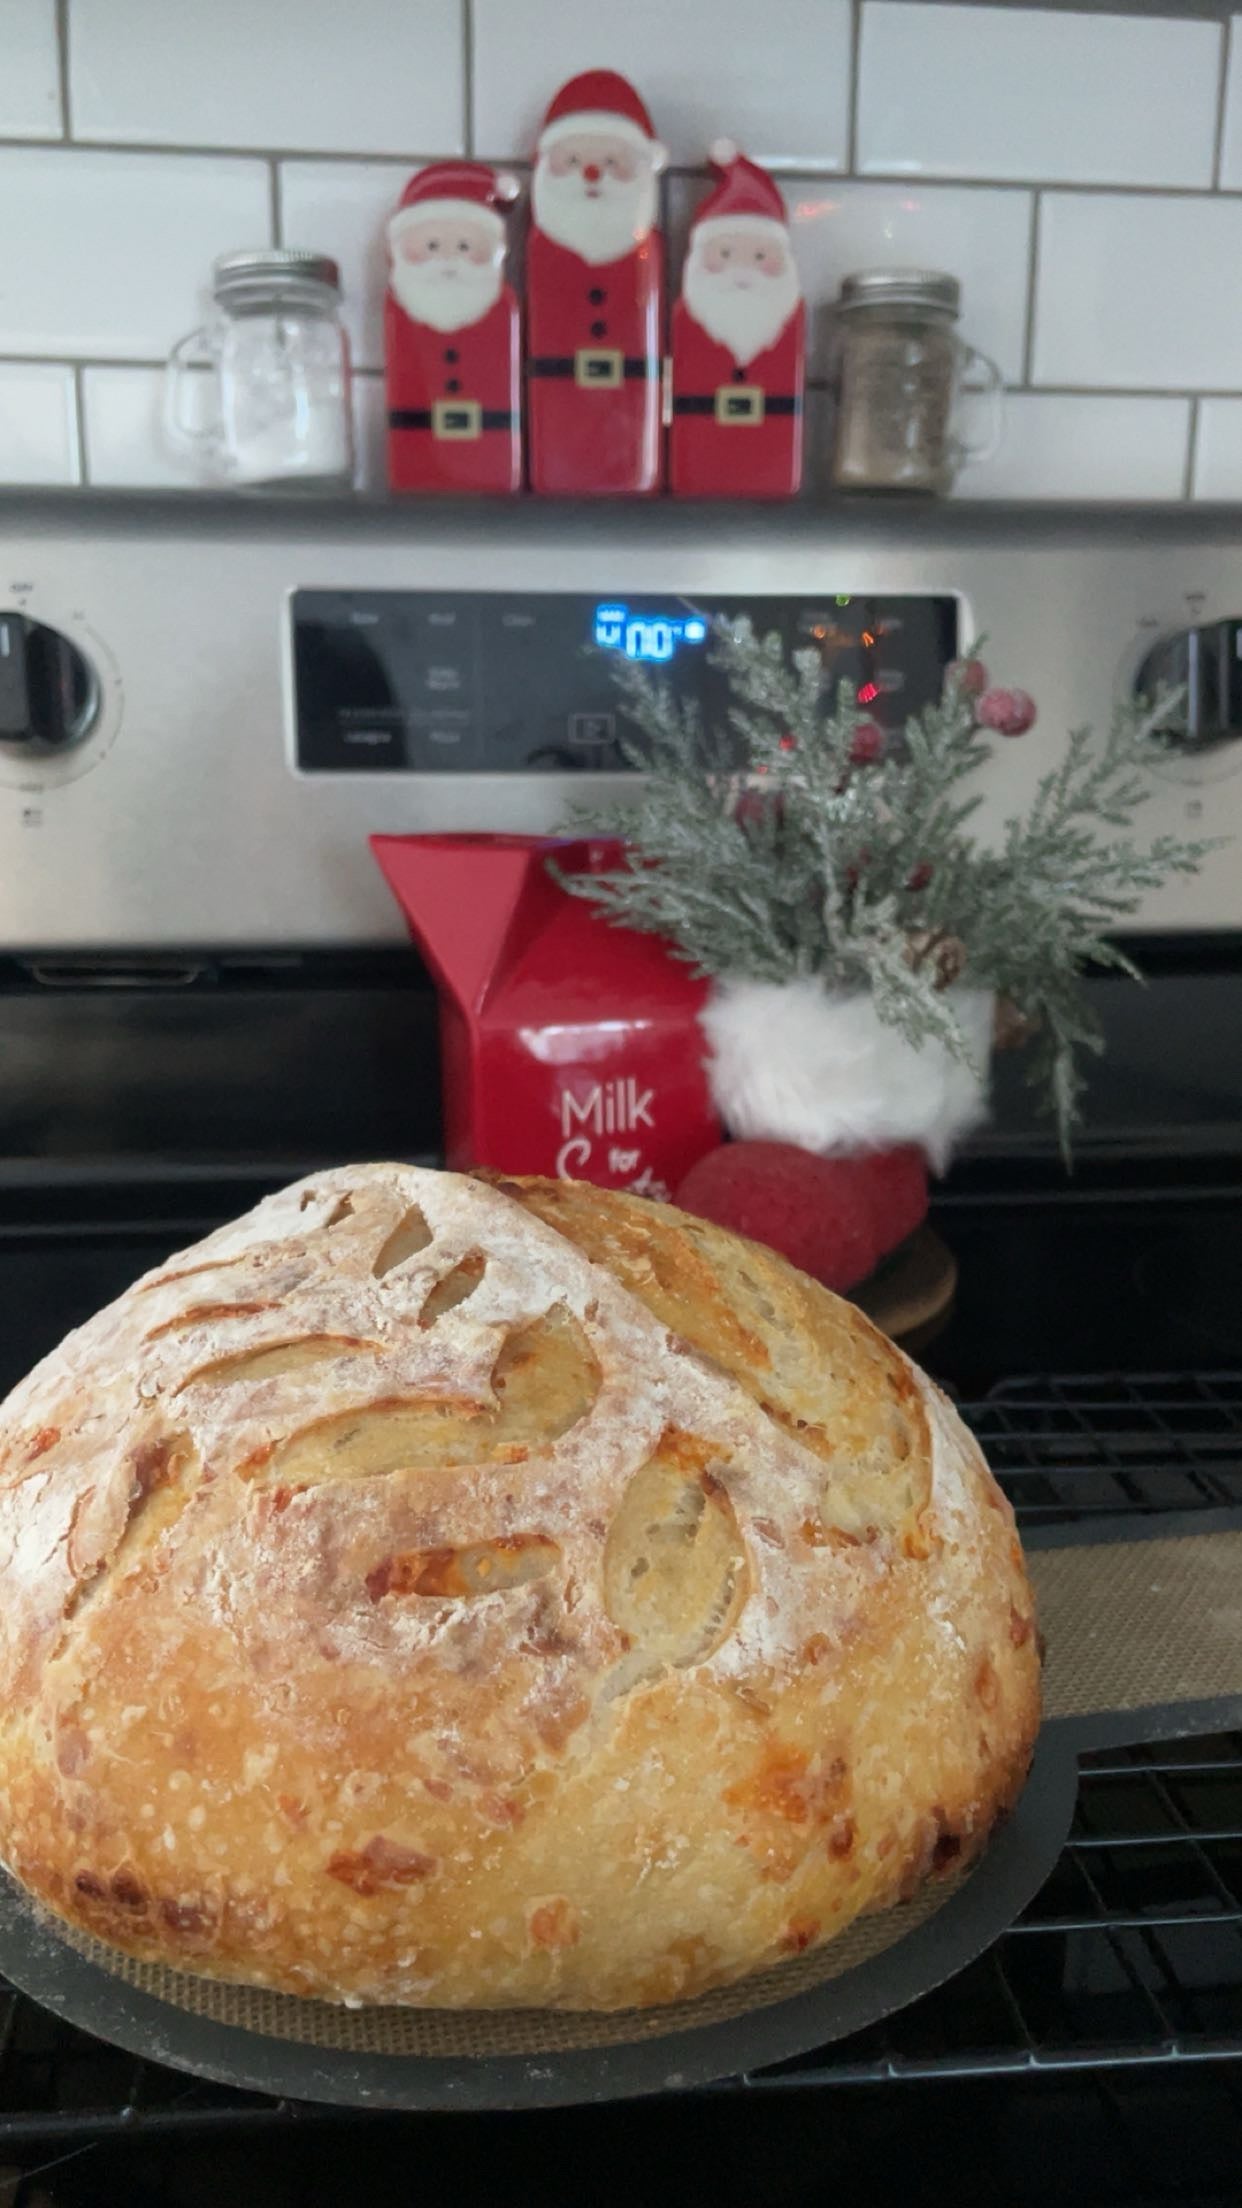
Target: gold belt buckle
column 739, row 402
column 457, row 418
column 599, row 368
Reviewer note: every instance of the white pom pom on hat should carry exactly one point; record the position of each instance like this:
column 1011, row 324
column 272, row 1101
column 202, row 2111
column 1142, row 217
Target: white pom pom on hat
column 796, row 1062
column 722, row 151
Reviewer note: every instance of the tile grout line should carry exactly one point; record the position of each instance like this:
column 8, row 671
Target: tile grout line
column 1192, row 451
column 822, row 173
column 467, row 75
column 1019, row 388
column 275, row 209
column 1032, row 286
column 851, row 119
column 1222, row 93
column 79, row 409
column 62, row 62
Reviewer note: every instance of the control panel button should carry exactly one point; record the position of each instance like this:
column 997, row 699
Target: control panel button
column 588, row 729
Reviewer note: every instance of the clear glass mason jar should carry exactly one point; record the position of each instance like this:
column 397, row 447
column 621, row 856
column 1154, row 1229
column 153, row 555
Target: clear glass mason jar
column 904, row 382
column 273, row 411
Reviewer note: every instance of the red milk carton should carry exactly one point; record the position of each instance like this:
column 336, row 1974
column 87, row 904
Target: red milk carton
column 569, row 1047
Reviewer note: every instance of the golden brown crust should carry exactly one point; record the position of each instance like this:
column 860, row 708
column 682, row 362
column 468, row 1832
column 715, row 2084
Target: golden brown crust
column 453, row 1592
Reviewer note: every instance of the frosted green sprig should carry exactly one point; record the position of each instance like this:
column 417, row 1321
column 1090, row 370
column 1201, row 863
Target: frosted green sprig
column 771, row 848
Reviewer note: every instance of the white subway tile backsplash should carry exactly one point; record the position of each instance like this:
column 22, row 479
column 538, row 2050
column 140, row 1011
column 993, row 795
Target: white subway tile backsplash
column 29, row 70
column 1218, row 450
column 1231, row 135
column 373, row 76
column 340, row 207
column 1058, row 445
column 108, row 254
column 981, row 237
column 38, row 424
column 123, row 418
column 1139, row 292
column 963, row 113
column 774, row 78
column 1033, row 93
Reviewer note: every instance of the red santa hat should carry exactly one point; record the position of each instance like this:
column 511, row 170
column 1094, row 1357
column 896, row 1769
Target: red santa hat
column 743, row 198
column 449, row 190
column 601, row 100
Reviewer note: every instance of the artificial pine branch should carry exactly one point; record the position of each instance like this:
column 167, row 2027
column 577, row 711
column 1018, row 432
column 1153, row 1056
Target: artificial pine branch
column 772, row 847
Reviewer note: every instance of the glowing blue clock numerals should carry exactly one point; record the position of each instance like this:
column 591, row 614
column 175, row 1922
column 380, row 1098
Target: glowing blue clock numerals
column 651, row 638
column 610, row 627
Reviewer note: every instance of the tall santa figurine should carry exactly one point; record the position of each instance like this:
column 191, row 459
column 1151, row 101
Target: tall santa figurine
column 451, row 335
column 595, row 293
column 739, row 344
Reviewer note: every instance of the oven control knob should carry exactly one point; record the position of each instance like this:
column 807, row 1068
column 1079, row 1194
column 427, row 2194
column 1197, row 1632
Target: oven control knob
column 49, row 692
column 1204, row 666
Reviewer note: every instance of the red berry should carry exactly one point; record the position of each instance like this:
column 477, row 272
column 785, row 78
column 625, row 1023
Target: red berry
column 969, row 676
column 789, row 743
column 868, row 744
column 1006, row 712
column 921, row 876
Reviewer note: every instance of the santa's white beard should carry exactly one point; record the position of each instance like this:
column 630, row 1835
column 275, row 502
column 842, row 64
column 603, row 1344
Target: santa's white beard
column 748, row 319
column 597, row 230
column 448, row 295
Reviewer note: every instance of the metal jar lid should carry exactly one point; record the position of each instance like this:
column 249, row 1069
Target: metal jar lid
column 272, row 270
column 900, row 287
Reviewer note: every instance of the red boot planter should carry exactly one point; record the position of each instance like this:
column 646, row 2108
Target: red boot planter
column 837, row 1118
column 451, row 335
column 595, row 293
column 569, row 1047
column 833, row 1218
column 738, row 344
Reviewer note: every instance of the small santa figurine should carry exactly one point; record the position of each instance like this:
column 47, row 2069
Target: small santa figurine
column 451, row 335
column 595, row 293
column 738, row 344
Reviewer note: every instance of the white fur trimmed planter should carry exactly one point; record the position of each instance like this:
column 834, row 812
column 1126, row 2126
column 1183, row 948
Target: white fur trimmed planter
column 795, row 1062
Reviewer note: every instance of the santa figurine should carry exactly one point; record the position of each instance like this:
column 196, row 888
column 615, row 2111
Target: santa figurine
column 595, row 293
column 738, row 344
column 451, row 335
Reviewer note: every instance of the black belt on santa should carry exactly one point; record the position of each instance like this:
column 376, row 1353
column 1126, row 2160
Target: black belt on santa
column 705, row 403
column 420, row 417
column 634, row 367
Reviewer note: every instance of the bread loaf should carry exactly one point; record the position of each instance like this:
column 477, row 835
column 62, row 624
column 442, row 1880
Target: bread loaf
column 478, row 1593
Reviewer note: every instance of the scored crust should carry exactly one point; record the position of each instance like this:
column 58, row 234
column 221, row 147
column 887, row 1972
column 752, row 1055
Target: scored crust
column 469, row 1593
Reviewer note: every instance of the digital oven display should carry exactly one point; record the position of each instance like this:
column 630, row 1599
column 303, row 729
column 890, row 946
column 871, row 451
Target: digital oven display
column 487, row 682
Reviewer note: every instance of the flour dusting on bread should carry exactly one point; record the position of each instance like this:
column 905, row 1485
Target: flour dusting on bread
column 450, row 1591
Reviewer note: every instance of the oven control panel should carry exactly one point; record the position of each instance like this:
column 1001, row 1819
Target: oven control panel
column 487, row 682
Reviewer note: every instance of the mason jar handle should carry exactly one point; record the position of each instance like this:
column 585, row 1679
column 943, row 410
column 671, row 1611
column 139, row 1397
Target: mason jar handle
column 192, row 351
column 990, row 386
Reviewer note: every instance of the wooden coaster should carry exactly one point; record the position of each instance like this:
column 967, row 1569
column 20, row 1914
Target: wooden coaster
column 910, row 1295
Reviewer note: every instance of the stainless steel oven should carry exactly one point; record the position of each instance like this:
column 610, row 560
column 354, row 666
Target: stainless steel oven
column 204, row 710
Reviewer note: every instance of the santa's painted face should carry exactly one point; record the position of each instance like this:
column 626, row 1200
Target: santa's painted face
column 446, row 271
column 741, row 284
column 595, row 193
